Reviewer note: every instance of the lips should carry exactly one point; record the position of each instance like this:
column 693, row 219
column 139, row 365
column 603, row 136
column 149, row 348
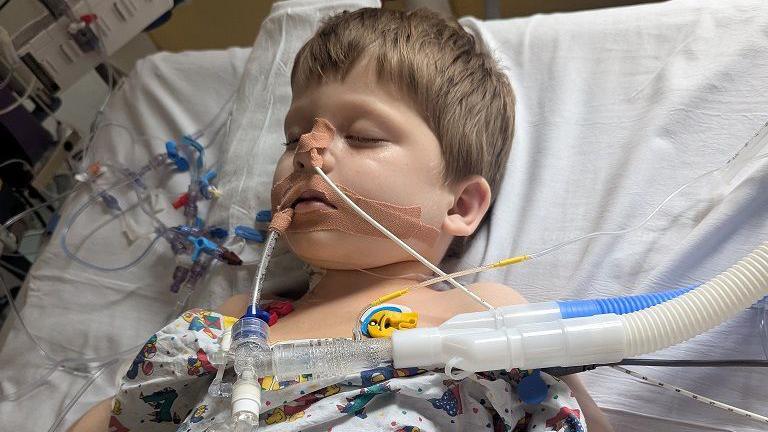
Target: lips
column 311, row 199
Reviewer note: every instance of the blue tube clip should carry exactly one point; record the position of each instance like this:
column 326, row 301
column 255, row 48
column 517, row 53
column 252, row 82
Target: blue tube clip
column 249, row 233
column 189, row 141
column 173, row 154
column 264, row 216
column 218, row 233
column 205, row 183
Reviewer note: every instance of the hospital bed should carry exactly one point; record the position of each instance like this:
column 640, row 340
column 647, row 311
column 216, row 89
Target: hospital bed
column 616, row 109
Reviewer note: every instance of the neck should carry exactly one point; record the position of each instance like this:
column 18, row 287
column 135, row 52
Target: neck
column 361, row 287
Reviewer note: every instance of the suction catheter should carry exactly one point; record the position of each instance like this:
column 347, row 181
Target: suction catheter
column 524, row 336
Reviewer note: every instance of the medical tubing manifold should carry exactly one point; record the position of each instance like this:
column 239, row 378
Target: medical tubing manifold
column 506, row 340
column 602, row 338
column 323, row 358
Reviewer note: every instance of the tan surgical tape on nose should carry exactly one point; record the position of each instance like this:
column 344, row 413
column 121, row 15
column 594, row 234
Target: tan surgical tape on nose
column 320, row 137
column 404, row 222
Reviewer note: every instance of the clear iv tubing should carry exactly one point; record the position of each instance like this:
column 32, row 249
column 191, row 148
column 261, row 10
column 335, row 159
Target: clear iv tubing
column 71, row 221
column 399, row 242
column 7, row 79
column 762, row 311
column 68, row 407
column 29, row 211
column 77, row 366
column 224, row 109
column 559, row 246
column 19, row 100
column 133, row 177
column 73, row 365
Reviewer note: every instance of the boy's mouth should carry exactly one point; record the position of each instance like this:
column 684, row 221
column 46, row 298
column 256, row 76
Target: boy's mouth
column 321, row 210
column 312, row 200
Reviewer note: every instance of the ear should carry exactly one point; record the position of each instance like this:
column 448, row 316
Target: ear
column 471, row 202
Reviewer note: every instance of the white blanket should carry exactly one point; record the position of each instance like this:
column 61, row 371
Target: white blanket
column 616, row 108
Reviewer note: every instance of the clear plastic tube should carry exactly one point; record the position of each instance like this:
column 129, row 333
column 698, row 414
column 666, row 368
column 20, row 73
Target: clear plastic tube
column 19, row 100
column 128, row 266
column 71, row 221
column 325, row 358
column 68, row 407
column 642, row 223
column 763, row 318
column 7, row 79
column 17, row 314
column 31, row 210
column 72, row 365
column 399, row 242
column 22, row 162
column 694, row 396
column 226, row 111
column 559, row 246
column 141, row 193
column 258, row 280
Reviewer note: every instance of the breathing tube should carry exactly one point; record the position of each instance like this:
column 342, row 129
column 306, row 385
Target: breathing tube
column 530, row 336
column 525, row 343
column 594, row 339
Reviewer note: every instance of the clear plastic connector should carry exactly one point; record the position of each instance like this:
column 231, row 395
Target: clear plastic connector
column 324, row 358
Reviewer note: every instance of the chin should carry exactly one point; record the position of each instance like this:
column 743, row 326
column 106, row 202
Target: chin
column 342, row 251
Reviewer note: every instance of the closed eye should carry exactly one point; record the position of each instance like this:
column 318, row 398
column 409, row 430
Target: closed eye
column 354, row 139
column 291, row 142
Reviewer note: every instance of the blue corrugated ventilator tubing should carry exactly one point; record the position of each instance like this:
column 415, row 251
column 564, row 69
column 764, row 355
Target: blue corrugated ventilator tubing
column 617, row 305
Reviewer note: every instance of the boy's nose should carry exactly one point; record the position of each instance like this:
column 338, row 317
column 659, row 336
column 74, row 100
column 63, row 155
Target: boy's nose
column 312, row 149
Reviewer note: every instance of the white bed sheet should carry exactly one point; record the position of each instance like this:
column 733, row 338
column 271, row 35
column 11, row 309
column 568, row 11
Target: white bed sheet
column 616, row 108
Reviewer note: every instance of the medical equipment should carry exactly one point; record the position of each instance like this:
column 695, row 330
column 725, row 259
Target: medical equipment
column 47, row 54
column 641, row 204
column 200, row 243
column 528, row 336
column 70, row 38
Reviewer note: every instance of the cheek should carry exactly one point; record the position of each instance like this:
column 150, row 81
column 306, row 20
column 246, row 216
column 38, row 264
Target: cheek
column 283, row 168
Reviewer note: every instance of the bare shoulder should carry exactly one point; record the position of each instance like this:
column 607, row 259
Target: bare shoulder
column 235, row 306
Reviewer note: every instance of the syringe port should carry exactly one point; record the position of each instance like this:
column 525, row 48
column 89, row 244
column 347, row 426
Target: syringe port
column 246, row 402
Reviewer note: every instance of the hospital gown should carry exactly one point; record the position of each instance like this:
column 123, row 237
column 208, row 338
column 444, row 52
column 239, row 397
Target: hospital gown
column 165, row 389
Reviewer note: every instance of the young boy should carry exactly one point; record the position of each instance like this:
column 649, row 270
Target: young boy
column 408, row 115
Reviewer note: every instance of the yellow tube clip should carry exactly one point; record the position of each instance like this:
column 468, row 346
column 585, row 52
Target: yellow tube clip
column 510, row 261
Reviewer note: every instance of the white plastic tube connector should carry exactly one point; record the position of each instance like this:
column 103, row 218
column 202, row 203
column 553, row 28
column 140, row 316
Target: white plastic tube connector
column 246, row 402
column 507, row 316
column 474, row 342
column 577, row 341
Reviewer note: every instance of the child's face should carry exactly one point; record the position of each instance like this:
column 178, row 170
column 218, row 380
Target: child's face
column 383, row 151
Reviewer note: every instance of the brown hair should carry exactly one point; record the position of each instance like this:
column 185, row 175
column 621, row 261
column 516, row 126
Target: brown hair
column 459, row 89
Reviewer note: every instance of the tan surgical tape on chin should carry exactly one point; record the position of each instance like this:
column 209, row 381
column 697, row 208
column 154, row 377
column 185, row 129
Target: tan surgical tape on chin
column 404, row 222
